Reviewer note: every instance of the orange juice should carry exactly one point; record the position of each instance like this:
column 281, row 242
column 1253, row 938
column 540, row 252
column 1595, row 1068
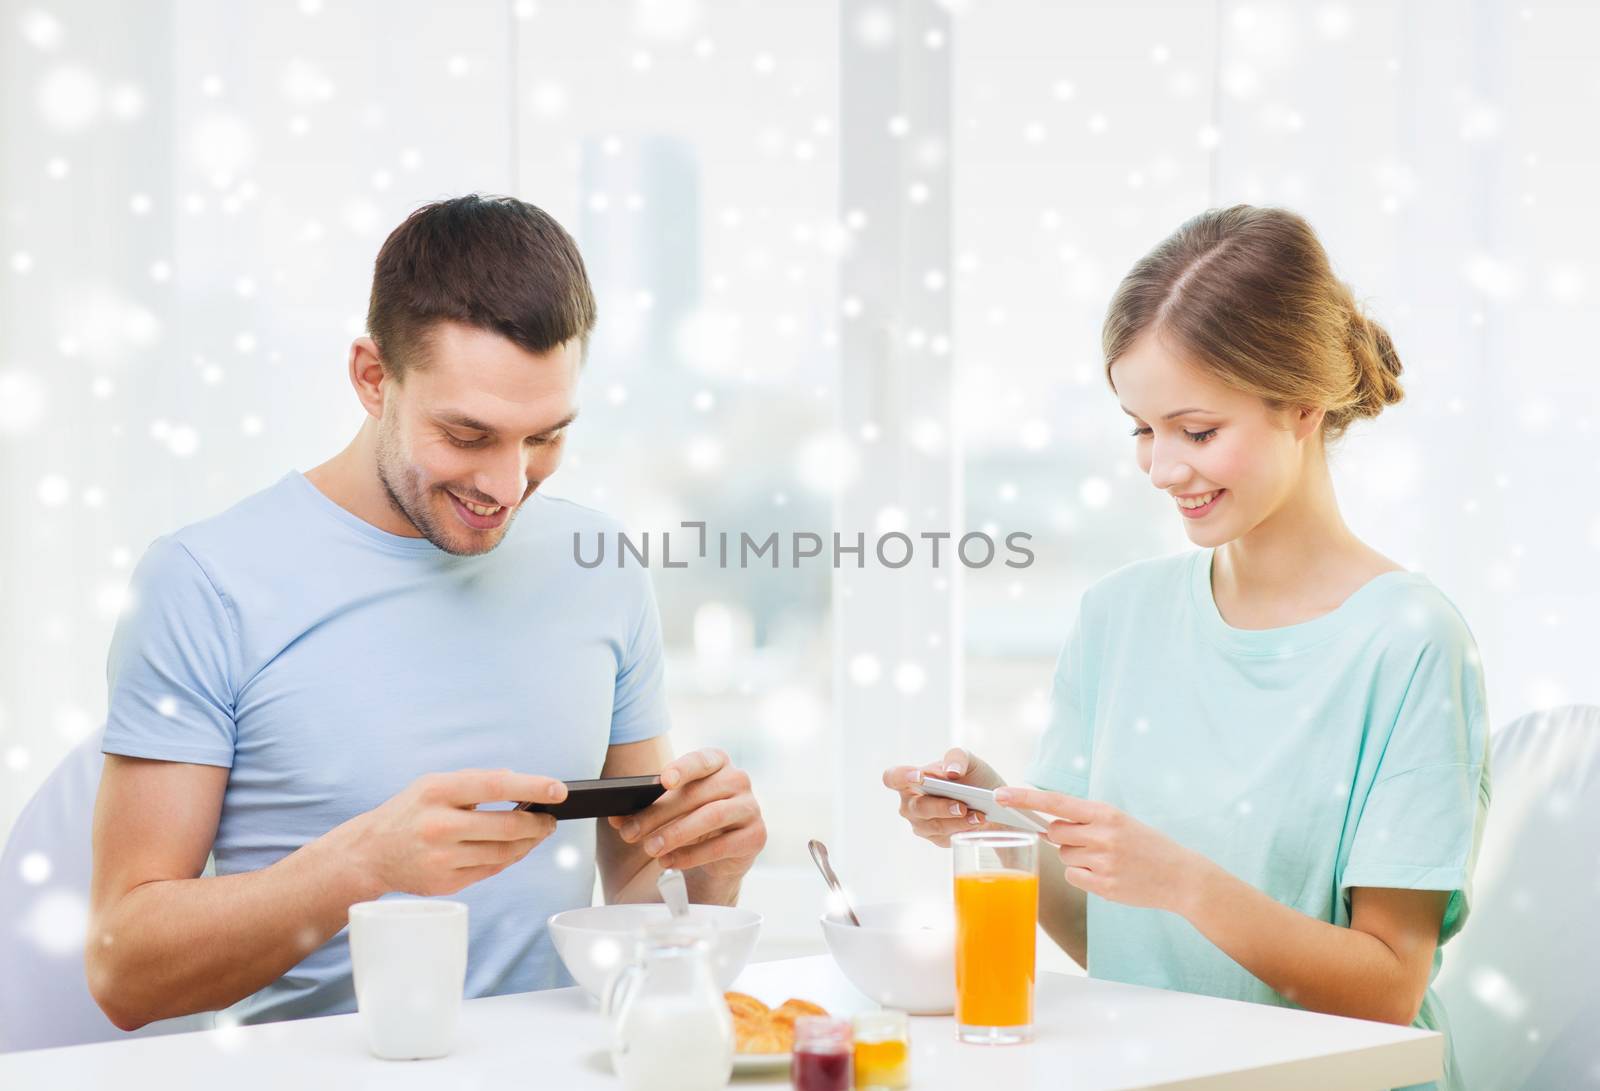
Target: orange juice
column 882, row 1065
column 996, row 917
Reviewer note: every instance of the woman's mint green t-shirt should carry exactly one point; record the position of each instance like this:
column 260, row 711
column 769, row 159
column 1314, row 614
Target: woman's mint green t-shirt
column 1347, row 751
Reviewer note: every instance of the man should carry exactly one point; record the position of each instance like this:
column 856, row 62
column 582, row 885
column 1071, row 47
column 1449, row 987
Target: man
column 296, row 675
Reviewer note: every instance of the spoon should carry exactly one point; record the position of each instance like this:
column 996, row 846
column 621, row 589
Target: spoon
column 674, row 892
column 819, row 853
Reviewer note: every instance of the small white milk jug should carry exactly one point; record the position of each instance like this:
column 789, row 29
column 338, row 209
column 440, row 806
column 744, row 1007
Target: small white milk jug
column 670, row 1026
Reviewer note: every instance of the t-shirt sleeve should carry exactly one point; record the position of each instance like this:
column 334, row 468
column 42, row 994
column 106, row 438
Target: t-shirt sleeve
column 169, row 675
column 1061, row 763
column 639, row 703
column 1422, row 822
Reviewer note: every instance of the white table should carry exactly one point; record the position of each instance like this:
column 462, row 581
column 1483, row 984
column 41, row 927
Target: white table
column 1091, row 1035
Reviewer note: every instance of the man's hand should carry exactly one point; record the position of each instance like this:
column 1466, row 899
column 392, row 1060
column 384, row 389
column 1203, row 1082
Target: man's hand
column 428, row 839
column 707, row 819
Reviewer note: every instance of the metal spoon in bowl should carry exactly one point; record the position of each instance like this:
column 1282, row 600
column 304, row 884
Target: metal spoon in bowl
column 819, row 853
column 674, row 892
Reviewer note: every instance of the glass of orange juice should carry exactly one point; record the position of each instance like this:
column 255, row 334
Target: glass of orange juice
column 997, row 914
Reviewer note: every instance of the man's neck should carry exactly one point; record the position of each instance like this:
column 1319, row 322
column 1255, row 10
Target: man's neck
column 350, row 479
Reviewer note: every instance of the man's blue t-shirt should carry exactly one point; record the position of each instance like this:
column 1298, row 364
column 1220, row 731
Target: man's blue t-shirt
column 328, row 664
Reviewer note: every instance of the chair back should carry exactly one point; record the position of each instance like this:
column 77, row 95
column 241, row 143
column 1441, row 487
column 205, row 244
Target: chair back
column 44, row 916
column 1520, row 985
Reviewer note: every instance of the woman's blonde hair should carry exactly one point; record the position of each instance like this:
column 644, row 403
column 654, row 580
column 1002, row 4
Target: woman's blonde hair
column 1248, row 294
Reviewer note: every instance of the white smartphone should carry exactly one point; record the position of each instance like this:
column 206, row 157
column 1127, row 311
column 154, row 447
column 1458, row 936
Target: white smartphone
column 981, row 800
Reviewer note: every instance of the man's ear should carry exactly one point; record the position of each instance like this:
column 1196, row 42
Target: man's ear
column 368, row 376
column 1308, row 422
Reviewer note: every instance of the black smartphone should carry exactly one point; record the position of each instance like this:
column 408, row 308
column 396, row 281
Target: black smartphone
column 602, row 798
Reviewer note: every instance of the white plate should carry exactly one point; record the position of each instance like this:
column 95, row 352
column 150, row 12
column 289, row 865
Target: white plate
column 760, row 1062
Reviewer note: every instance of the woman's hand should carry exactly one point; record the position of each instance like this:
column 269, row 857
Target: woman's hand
column 1112, row 855
column 934, row 818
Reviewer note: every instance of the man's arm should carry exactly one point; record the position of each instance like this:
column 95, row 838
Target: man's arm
column 165, row 942
column 627, row 874
column 708, row 824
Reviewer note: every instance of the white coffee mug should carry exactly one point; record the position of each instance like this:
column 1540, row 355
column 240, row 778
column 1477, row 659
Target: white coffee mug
column 409, row 956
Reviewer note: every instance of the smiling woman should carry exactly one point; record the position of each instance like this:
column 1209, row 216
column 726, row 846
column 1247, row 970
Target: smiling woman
column 1278, row 741
column 1234, row 336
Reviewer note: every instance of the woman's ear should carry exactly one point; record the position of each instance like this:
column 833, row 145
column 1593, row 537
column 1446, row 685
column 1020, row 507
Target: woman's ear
column 1308, row 422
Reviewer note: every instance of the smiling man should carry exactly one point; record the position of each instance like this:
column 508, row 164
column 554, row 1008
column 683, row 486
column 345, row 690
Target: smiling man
column 323, row 684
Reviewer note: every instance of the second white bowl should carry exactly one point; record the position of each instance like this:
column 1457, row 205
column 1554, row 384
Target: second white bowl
column 903, row 955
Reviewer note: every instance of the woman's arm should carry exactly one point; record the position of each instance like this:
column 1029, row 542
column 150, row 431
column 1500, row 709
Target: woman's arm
column 1063, row 909
column 1375, row 969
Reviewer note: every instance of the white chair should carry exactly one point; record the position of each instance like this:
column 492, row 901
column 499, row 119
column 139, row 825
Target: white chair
column 44, row 913
column 1521, row 984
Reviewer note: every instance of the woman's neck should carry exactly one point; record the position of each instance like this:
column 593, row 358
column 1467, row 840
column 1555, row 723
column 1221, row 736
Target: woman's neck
column 1300, row 562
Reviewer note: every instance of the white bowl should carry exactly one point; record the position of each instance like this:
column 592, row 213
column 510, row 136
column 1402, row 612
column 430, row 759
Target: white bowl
column 596, row 940
column 903, row 955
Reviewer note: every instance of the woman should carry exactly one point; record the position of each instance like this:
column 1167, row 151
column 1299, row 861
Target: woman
column 1267, row 757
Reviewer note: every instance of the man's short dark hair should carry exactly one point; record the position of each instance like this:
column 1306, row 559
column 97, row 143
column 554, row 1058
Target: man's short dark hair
column 496, row 263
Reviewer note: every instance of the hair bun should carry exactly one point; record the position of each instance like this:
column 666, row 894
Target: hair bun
column 1377, row 366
